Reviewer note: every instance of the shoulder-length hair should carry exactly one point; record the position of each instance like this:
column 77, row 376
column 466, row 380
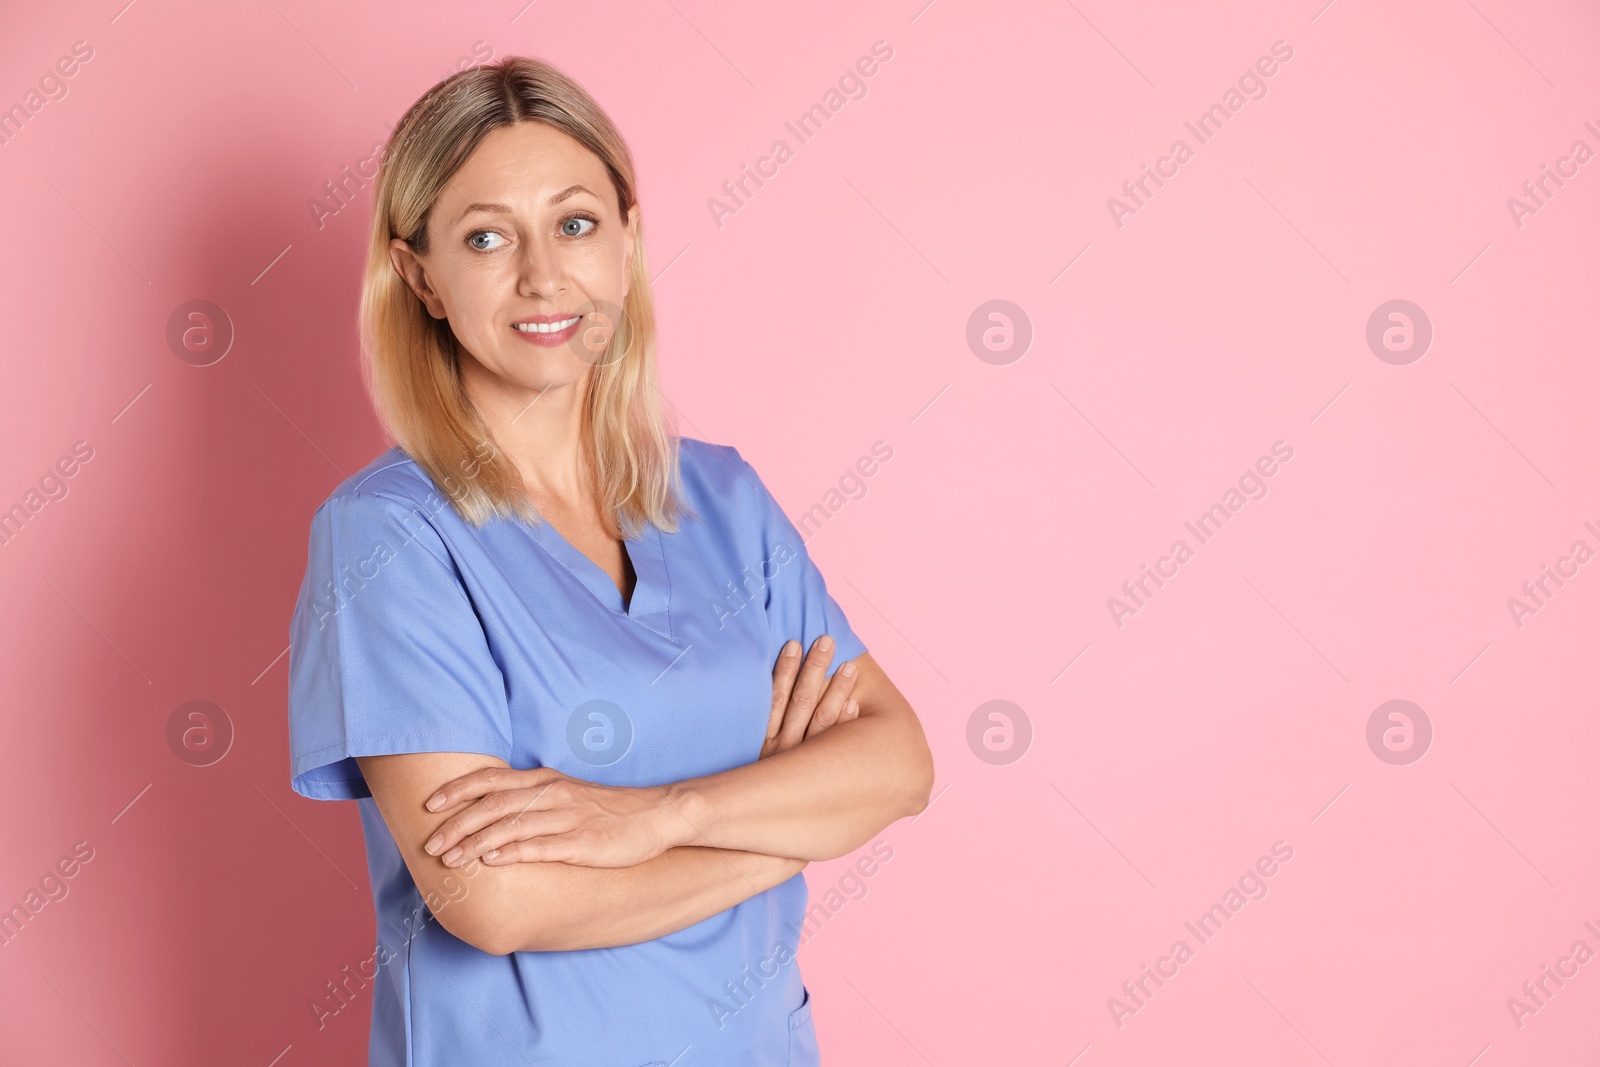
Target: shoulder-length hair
column 411, row 361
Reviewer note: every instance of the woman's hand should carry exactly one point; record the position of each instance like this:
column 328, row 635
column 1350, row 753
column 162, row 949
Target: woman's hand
column 801, row 708
column 541, row 814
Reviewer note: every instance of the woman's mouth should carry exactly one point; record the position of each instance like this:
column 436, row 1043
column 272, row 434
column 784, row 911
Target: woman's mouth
column 547, row 331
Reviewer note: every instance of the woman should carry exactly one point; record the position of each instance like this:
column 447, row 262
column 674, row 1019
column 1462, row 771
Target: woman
column 539, row 640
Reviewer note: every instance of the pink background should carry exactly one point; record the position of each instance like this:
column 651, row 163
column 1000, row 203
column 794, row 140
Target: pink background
column 831, row 311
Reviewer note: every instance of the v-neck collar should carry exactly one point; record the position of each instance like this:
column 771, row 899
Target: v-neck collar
column 650, row 588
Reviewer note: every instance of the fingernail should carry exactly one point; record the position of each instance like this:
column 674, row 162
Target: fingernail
column 791, row 649
column 491, row 854
column 851, row 707
column 848, row 670
column 435, row 802
column 453, row 855
column 434, row 844
column 825, row 643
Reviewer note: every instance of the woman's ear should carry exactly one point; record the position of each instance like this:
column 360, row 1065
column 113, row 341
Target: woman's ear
column 630, row 242
column 409, row 266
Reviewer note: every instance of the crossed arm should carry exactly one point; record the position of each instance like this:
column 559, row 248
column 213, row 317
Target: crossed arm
column 552, row 862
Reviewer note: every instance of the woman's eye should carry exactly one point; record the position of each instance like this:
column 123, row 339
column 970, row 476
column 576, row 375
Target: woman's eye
column 567, row 227
column 477, row 236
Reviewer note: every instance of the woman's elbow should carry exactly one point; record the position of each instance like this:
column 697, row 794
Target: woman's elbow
column 490, row 940
column 480, row 914
column 920, row 778
column 501, row 922
column 499, row 937
column 922, row 792
column 484, row 932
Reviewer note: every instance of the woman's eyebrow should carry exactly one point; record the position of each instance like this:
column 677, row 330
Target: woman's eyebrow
column 571, row 190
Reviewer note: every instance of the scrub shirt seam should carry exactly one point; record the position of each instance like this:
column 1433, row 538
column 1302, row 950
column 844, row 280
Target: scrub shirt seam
column 343, row 750
column 623, row 614
column 355, row 487
column 411, row 981
column 425, row 733
column 414, row 507
column 666, row 573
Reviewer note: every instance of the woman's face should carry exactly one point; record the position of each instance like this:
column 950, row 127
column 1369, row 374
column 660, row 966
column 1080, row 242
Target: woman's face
column 528, row 228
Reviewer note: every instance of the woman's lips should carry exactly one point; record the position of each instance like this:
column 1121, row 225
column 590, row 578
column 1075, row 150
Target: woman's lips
column 554, row 337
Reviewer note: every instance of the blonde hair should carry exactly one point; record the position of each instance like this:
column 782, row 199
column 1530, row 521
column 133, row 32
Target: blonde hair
column 411, row 361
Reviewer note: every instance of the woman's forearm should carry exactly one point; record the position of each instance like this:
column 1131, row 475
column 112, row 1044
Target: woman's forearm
column 821, row 799
column 543, row 907
column 548, row 905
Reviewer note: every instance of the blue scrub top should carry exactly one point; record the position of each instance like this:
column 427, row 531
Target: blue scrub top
column 416, row 632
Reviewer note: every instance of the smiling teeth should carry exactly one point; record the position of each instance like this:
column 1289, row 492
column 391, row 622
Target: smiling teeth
column 545, row 327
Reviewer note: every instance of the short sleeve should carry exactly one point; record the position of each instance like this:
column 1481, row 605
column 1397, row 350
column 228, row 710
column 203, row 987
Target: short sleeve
column 798, row 603
column 386, row 653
